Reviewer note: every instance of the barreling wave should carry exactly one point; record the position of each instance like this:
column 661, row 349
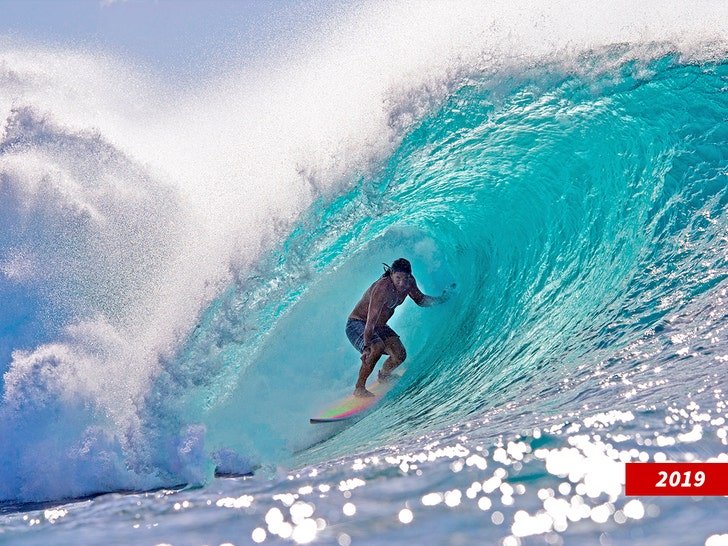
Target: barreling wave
column 176, row 306
column 576, row 215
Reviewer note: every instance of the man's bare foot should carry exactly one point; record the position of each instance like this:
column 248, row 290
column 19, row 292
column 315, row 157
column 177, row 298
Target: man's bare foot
column 362, row 392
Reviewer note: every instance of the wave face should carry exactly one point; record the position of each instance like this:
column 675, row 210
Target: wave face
column 175, row 309
column 581, row 217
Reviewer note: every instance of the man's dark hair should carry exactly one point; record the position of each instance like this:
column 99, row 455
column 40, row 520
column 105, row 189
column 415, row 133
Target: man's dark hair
column 399, row 265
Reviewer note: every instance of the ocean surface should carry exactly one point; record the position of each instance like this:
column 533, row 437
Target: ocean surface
column 177, row 264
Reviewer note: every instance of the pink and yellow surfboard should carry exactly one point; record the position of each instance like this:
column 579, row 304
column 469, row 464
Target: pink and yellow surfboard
column 348, row 407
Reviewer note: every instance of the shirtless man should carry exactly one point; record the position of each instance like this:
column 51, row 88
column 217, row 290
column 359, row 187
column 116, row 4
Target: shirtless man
column 367, row 327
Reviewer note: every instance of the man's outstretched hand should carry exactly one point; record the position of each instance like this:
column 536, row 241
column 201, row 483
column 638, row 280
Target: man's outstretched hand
column 446, row 293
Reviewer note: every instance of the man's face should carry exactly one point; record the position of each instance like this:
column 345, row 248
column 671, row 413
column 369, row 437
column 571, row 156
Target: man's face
column 402, row 281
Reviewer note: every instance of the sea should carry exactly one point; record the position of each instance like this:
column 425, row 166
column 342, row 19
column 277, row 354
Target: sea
column 178, row 260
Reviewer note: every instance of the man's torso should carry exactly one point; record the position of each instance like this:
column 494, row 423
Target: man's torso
column 392, row 299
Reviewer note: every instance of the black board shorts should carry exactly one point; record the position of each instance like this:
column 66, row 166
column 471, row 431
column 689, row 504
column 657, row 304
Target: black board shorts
column 355, row 333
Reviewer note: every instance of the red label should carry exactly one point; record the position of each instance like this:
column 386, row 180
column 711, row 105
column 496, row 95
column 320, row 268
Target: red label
column 668, row 479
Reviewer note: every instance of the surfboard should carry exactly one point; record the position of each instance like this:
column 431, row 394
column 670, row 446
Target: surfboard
column 351, row 406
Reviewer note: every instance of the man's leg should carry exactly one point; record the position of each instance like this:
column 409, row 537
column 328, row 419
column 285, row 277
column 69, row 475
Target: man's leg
column 368, row 361
column 397, row 354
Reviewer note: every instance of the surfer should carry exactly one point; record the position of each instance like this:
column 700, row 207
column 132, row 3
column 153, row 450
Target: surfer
column 367, row 327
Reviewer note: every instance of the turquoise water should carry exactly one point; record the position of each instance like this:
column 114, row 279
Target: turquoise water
column 578, row 216
column 583, row 214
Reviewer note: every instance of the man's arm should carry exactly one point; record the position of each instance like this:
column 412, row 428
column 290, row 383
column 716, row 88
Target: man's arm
column 376, row 302
column 423, row 300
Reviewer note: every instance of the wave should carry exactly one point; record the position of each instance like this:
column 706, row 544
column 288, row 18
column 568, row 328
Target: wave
column 179, row 265
column 576, row 215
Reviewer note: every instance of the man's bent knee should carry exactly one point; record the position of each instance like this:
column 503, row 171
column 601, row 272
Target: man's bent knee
column 374, row 350
column 396, row 351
